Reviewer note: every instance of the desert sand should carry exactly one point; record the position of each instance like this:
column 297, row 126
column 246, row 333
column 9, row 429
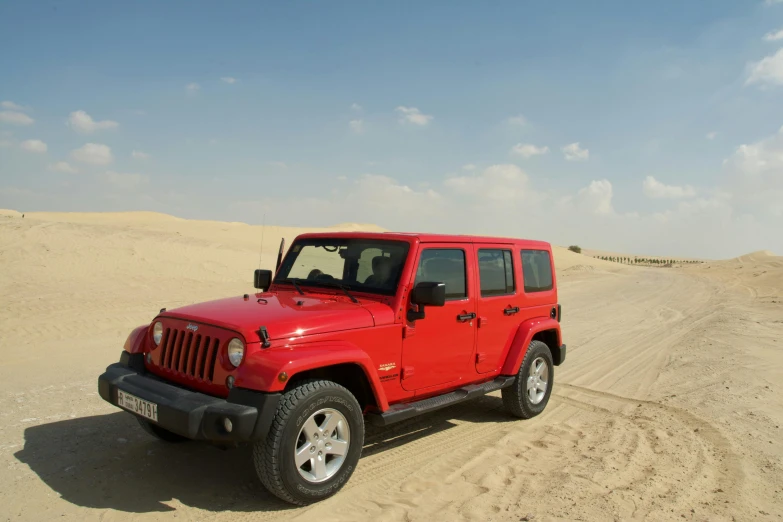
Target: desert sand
column 669, row 405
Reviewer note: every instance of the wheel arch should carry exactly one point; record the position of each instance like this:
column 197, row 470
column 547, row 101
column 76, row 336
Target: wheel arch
column 349, row 375
column 135, row 341
column 551, row 338
column 548, row 332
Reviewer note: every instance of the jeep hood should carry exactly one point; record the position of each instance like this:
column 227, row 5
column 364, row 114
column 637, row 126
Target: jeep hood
column 283, row 315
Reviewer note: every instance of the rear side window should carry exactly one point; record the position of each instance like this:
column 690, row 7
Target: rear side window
column 444, row 265
column 496, row 272
column 536, row 270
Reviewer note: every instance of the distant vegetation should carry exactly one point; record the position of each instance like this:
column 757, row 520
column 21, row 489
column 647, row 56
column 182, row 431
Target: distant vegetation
column 575, row 248
column 646, row 261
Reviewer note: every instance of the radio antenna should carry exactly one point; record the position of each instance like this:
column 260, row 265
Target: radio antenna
column 263, row 227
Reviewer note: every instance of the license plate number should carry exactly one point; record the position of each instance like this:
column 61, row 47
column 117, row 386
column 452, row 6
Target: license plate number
column 138, row 406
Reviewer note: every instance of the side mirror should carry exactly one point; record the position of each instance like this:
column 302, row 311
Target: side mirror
column 262, row 279
column 426, row 294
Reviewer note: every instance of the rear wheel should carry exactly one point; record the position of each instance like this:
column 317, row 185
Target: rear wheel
column 529, row 394
column 158, row 432
column 314, row 443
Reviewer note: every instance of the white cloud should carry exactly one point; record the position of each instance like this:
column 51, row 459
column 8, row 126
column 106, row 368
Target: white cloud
column 774, row 36
column 760, row 158
column 83, row 123
column 63, row 166
column 719, row 202
column 356, row 107
column 278, row 164
column 192, row 87
column 376, row 198
column 517, row 120
column 596, row 198
column 469, row 166
column 36, row 146
column 123, row 181
column 11, row 106
column 773, row 2
column 93, row 153
column 755, row 171
column 139, row 155
column 526, row 150
column 574, row 152
column 413, row 115
column 657, row 190
column 342, row 178
column 769, row 70
column 15, row 118
column 497, row 183
column 229, row 79
column 711, row 135
column 357, row 126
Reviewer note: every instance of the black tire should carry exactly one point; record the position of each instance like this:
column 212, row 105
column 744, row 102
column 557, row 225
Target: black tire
column 158, row 432
column 274, row 456
column 515, row 397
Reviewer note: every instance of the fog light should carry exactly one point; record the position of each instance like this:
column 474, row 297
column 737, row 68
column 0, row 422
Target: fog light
column 227, row 424
column 230, row 381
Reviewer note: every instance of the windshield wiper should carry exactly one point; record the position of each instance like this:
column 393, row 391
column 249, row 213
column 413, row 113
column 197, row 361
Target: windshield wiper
column 344, row 288
column 293, row 281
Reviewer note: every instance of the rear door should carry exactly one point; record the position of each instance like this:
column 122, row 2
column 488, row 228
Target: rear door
column 499, row 303
column 437, row 350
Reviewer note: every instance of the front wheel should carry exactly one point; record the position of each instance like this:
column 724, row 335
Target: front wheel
column 313, row 445
column 529, row 394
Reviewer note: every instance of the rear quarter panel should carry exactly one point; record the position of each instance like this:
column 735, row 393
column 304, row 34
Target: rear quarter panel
column 535, row 310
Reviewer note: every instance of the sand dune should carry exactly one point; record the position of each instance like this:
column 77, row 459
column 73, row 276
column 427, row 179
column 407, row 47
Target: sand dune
column 668, row 407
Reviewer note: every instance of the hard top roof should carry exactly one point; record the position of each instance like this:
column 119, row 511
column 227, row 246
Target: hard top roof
column 429, row 238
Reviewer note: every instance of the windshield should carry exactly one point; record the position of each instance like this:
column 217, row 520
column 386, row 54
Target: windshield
column 363, row 265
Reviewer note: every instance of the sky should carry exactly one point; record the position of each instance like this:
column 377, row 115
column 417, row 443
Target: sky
column 642, row 127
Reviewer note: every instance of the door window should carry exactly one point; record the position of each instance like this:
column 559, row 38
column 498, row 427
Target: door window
column 536, row 270
column 496, row 272
column 444, row 265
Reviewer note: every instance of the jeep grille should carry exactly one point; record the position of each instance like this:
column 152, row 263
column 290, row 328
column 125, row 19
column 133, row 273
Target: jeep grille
column 189, row 354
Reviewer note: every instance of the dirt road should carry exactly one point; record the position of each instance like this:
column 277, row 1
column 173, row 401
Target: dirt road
column 668, row 406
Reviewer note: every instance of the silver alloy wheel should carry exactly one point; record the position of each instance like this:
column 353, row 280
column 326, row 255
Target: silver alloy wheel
column 322, row 445
column 537, row 380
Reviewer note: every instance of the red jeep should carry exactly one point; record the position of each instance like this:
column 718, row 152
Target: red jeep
column 353, row 328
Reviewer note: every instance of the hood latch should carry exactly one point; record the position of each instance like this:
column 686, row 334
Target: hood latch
column 264, row 335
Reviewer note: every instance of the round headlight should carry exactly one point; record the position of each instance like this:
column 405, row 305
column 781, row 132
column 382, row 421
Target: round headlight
column 157, row 332
column 236, row 350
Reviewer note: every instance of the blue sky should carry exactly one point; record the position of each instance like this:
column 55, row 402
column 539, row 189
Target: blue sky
column 647, row 127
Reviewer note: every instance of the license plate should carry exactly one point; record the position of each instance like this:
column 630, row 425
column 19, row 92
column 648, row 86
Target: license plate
column 139, row 406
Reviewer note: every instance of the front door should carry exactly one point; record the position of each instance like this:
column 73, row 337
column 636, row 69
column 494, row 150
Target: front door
column 498, row 304
column 438, row 349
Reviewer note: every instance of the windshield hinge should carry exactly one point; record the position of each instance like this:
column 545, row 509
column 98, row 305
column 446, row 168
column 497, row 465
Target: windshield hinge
column 264, row 335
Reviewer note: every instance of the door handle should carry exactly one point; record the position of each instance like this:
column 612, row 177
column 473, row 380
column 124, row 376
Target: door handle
column 511, row 310
column 466, row 317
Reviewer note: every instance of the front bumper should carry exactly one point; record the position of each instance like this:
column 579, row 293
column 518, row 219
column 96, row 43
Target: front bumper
column 188, row 413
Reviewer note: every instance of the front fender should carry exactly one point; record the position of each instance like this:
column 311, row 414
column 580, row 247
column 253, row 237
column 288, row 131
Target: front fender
column 135, row 341
column 522, row 339
column 261, row 370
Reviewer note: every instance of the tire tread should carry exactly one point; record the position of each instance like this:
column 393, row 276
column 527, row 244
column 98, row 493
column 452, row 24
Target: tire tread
column 266, row 451
column 513, row 399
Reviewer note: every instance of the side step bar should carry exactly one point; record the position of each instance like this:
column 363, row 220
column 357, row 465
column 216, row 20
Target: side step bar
column 401, row 412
